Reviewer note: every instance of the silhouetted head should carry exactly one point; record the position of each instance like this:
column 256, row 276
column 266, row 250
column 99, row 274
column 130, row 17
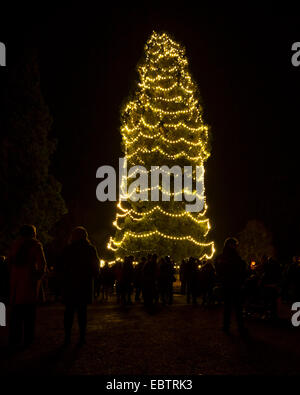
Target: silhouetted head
column 230, row 244
column 28, row 231
column 79, row 233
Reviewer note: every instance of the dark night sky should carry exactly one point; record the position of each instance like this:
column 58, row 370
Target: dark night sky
column 241, row 63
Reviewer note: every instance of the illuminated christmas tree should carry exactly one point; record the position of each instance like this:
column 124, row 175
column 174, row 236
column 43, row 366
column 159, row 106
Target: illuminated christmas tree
column 162, row 125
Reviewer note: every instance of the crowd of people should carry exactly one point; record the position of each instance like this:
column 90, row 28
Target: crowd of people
column 79, row 278
column 150, row 279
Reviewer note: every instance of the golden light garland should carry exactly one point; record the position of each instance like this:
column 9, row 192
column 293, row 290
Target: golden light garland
column 166, row 213
column 158, row 233
column 125, row 211
column 129, row 142
column 181, row 154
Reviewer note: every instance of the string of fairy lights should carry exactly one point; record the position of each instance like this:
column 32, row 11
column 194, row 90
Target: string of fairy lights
column 167, row 113
column 141, row 216
column 178, row 125
column 169, row 156
column 129, row 142
column 154, row 233
column 186, row 192
column 139, row 169
column 183, row 213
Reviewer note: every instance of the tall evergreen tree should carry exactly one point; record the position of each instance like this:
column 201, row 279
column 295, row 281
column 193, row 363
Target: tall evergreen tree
column 28, row 192
column 162, row 125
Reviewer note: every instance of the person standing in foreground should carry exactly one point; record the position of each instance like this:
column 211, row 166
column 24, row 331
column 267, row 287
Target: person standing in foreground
column 231, row 270
column 27, row 265
column 80, row 264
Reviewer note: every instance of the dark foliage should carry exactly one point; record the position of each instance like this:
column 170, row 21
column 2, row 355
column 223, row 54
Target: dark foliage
column 29, row 193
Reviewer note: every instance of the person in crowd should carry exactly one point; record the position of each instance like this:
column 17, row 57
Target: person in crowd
column 165, row 280
column 231, row 272
column 162, row 279
column 191, row 271
column 207, row 282
column 107, row 281
column 182, row 277
column 53, row 285
column 127, row 280
column 138, row 276
column 27, row 265
column 149, row 281
column 171, row 279
column 117, row 271
column 80, row 265
column 217, row 289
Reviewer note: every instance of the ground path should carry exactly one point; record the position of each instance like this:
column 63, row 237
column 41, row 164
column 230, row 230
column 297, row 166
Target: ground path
column 178, row 339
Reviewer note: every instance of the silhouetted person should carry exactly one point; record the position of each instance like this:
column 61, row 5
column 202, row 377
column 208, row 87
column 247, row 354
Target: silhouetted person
column 207, row 282
column 80, row 264
column 117, row 270
column 231, row 271
column 107, row 279
column 191, row 272
column 218, row 289
column 182, row 277
column 127, row 280
column 150, row 274
column 162, row 279
column 138, row 277
column 27, row 264
column 165, row 280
